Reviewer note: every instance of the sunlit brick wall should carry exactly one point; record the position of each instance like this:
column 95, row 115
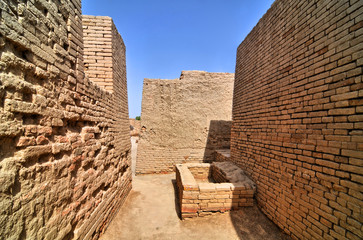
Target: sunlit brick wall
column 97, row 35
column 298, row 116
column 64, row 154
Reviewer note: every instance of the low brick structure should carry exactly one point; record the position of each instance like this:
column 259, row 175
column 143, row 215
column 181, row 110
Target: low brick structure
column 222, row 155
column 199, row 197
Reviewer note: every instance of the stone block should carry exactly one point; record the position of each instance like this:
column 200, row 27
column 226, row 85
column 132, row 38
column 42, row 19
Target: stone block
column 207, row 187
column 223, row 187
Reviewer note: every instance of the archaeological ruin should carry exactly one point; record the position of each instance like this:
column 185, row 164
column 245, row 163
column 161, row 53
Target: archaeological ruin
column 135, row 127
column 184, row 120
column 298, row 117
column 204, row 188
column 64, row 140
column 284, row 132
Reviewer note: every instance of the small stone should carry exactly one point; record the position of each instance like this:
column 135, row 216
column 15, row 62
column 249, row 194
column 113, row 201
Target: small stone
column 26, row 141
column 57, row 122
column 41, row 140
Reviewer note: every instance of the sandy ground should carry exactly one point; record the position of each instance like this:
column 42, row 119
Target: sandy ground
column 151, row 212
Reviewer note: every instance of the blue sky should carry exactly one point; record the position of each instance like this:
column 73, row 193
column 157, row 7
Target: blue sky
column 164, row 37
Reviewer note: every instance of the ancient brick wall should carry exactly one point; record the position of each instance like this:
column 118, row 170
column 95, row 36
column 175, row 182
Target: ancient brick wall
column 184, row 120
column 97, row 38
column 64, row 145
column 135, row 127
column 298, row 116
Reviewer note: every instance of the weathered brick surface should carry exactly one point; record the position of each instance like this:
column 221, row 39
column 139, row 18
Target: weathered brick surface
column 297, row 116
column 64, row 142
column 184, row 120
column 98, row 51
column 135, row 127
column 222, row 155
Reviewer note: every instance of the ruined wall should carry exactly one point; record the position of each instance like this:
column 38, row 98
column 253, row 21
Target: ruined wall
column 64, row 154
column 135, row 127
column 298, row 116
column 184, row 120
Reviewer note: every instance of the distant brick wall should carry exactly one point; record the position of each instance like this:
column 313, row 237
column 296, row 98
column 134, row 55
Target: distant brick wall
column 64, row 142
column 298, row 116
column 136, row 127
column 184, row 120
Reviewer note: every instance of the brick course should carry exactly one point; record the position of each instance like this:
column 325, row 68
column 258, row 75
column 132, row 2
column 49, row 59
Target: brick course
column 64, row 142
column 297, row 116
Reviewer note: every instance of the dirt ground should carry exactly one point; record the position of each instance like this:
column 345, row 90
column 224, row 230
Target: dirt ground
column 151, row 212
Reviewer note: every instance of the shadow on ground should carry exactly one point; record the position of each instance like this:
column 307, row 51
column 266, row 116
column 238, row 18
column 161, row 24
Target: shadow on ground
column 251, row 223
column 176, row 198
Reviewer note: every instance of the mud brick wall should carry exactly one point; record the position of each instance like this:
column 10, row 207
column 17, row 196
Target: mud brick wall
column 298, row 116
column 218, row 175
column 135, row 127
column 97, row 38
column 121, row 127
column 64, row 154
column 201, row 172
column 222, row 155
column 184, row 120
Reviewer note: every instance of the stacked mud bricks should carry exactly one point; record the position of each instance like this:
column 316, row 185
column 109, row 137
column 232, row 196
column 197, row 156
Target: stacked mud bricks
column 298, row 116
column 64, row 142
column 97, row 39
column 198, row 197
column 184, row 120
column 222, row 155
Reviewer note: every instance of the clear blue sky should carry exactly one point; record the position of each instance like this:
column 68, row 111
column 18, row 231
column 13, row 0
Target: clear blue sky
column 164, row 37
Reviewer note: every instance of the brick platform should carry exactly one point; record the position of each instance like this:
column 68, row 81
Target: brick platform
column 198, row 197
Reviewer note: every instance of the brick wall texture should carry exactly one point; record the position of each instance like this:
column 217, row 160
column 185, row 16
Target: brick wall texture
column 97, row 39
column 135, row 127
column 298, row 116
column 184, row 120
column 64, row 142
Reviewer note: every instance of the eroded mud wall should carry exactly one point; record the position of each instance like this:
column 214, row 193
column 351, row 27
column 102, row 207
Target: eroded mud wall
column 64, row 145
column 184, row 120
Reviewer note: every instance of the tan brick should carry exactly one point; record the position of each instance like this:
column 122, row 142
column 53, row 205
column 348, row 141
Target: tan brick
column 189, row 208
column 352, row 153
